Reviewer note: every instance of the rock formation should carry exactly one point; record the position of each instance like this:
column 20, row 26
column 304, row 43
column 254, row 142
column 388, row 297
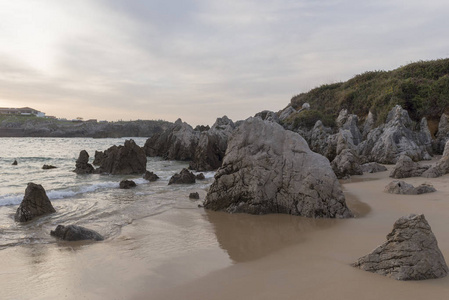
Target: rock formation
column 319, row 139
column 14, row 163
column 75, row 233
column 346, row 164
column 194, row 195
column 406, row 167
column 48, row 167
column 348, row 122
column 150, row 176
column 200, row 176
column 401, row 187
column 441, row 167
column 368, row 125
column 82, row 165
column 212, row 146
column 373, row 167
column 410, row 253
column 267, row 169
column 178, row 142
column 183, row 177
column 442, row 135
column 286, row 112
column 123, row 160
column 35, row 203
column 127, row 184
column 268, row 115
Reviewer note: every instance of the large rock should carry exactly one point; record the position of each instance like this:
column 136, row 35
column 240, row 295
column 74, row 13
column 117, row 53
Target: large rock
column 75, row 233
column 406, row 167
column 123, row 160
column 346, row 164
column 183, row 177
column 212, row 146
column 385, row 144
column 441, row 167
column 410, row 253
column 82, row 165
column 178, row 142
column 373, row 167
column 267, row 169
column 348, row 122
column 286, row 112
column 368, row 125
column 35, row 203
column 319, row 138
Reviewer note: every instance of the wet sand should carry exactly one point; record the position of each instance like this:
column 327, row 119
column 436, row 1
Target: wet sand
column 190, row 253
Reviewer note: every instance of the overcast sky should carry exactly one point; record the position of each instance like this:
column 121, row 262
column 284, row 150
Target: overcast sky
column 201, row 59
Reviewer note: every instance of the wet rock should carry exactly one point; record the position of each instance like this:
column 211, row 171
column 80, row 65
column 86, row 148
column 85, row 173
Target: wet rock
column 123, row 160
column 406, row 167
column 35, row 203
column 127, row 184
column 48, row 167
column 184, row 177
column 410, row 252
column 82, row 165
column 75, row 233
column 98, row 158
column 150, row 176
column 271, row 170
column 194, row 195
column 346, row 164
column 14, row 163
column 373, row 167
column 200, row 176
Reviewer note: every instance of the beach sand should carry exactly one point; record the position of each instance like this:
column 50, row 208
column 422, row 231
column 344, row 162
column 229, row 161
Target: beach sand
column 190, row 253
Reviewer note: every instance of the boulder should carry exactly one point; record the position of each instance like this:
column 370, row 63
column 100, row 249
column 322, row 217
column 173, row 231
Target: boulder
column 410, row 252
column 441, row 167
column 424, row 189
column 406, row 167
column 373, row 167
column 75, row 233
column 400, row 187
column 178, row 142
column 346, row 164
column 200, row 176
column 150, row 176
column 123, row 160
column 35, row 203
column 183, row 177
column 385, row 144
column 212, row 146
column 194, row 195
column 127, row 184
column 82, row 165
column 268, row 169
column 48, row 167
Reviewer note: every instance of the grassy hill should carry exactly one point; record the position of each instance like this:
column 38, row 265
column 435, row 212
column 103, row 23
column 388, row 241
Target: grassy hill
column 421, row 87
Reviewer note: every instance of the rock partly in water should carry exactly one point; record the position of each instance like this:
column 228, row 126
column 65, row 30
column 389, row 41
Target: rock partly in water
column 194, row 195
column 268, row 169
column 410, row 252
column 35, row 203
column 48, row 167
column 123, row 160
column 200, row 176
column 14, row 163
column 373, row 167
column 98, row 158
column 82, row 165
column 150, row 176
column 346, row 164
column 127, row 184
column 406, row 167
column 75, row 233
column 184, row 177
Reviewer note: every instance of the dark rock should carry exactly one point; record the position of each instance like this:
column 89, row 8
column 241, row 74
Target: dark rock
column 75, row 233
column 406, row 167
column 200, row 176
column 410, row 252
column 202, row 128
column 14, row 163
column 35, row 203
column 184, row 177
column 194, row 195
column 98, row 158
column 127, row 184
column 123, row 160
column 82, row 165
column 373, row 167
column 268, row 169
column 48, row 167
column 150, row 176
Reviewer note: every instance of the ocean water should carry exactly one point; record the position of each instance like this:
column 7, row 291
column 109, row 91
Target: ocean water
column 94, row 201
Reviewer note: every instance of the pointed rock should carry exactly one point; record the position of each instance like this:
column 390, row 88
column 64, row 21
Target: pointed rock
column 35, row 203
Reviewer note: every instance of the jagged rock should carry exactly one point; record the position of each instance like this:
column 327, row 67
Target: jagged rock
column 319, row 138
column 349, row 122
column 48, row 167
column 98, row 158
column 373, row 167
column 267, row 169
column 406, row 167
column 14, row 163
column 178, row 142
column 200, row 176
column 385, row 144
column 150, row 176
column 82, row 165
column 123, row 160
column 369, row 125
column 441, row 167
column 442, row 135
column 194, row 195
column 268, row 116
column 410, row 252
column 35, row 203
column 202, row 128
column 346, row 163
column 212, row 146
column 400, row 187
column 75, row 233
column 342, row 117
column 127, row 184
column 286, row 113
column 184, row 177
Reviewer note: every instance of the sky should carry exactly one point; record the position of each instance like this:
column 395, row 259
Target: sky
column 201, row 59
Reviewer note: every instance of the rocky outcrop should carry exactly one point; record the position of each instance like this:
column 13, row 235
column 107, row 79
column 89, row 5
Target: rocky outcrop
column 442, row 135
column 178, row 142
column 75, row 233
column 200, row 176
column 123, row 160
column 373, row 167
column 286, row 112
column 35, row 203
column 410, row 252
column 368, row 125
column 346, row 164
column 14, row 163
column 194, row 195
column 385, row 144
column 82, row 165
column 406, row 167
column 48, row 167
column 319, row 138
column 268, row 115
column 202, row 128
column 150, row 176
column 348, row 122
column 267, row 169
column 127, row 184
column 212, row 146
column 184, row 177
column 441, row 167
column 98, row 158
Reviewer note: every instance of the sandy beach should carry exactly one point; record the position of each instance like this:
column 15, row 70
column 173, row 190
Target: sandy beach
column 190, row 253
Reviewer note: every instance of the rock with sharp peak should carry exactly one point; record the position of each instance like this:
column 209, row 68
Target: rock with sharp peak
column 35, row 203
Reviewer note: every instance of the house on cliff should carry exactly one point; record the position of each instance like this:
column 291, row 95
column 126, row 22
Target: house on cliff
column 24, row 111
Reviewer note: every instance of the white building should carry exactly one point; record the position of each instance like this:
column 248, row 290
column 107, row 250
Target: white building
column 24, row 111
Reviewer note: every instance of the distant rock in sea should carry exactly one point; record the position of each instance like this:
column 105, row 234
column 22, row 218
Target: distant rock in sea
column 14, row 163
column 75, row 233
column 183, row 177
column 35, row 203
column 82, row 165
column 194, row 195
column 48, row 167
column 150, row 176
column 127, row 184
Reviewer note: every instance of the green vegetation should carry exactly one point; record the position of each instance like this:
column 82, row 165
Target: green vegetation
column 421, row 87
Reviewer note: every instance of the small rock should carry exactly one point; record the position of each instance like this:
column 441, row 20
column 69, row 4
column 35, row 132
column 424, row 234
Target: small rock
column 75, row 233
column 184, row 177
column 14, row 163
column 48, row 167
column 127, row 184
column 400, row 187
column 373, row 167
column 150, row 176
column 194, row 195
column 35, row 203
column 200, row 176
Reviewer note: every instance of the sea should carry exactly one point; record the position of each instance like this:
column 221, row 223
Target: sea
column 94, row 201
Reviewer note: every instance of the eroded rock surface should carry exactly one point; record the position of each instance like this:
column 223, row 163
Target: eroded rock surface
column 82, row 165
column 441, row 167
column 150, row 176
column 123, row 160
column 406, row 167
column 346, row 164
column 183, row 177
column 35, row 203
column 75, row 233
column 373, row 167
